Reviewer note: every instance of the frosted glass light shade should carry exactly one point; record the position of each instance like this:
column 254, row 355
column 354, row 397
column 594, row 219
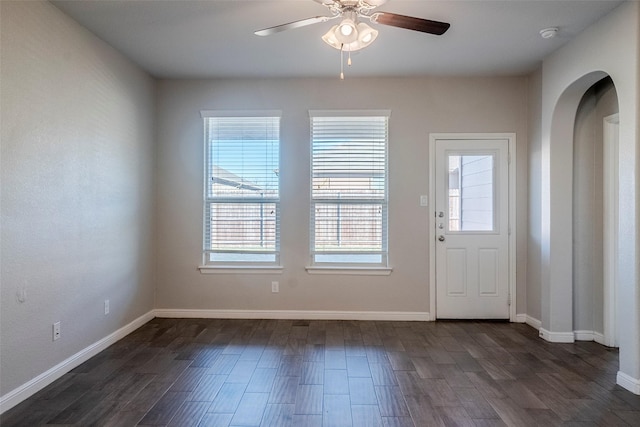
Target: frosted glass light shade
column 347, row 31
column 365, row 35
column 330, row 38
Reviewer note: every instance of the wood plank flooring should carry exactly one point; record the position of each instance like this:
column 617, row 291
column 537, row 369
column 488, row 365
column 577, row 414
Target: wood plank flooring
column 212, row 372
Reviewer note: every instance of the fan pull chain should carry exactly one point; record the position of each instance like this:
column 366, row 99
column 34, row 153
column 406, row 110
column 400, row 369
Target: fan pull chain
column 341, row 62
column 349, row 60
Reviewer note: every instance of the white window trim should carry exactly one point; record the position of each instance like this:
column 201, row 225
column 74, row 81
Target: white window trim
column 349, row 271
column 255, row 268
column 240, row 269
column 349, row 113
column 361, row 269
column 240, row 113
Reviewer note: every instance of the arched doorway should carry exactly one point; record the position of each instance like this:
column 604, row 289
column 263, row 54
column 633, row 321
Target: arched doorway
column 595, row 177
column 557, row 213
column 557, row 233
column 566, row 76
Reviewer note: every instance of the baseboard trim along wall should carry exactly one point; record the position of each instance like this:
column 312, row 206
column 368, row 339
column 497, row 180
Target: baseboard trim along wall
column 627, row 382
column 590, row 336
column 31, row 387
column 559, row 337
column 295, row 314
column 533, row 322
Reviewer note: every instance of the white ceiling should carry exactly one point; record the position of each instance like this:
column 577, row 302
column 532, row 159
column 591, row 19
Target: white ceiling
column 214, row 38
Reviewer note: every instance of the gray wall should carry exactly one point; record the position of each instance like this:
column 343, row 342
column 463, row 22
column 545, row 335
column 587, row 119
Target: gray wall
column 418, row 107
column 609, row 47
column 534, row 160
column 77, row 158
column 600, row 101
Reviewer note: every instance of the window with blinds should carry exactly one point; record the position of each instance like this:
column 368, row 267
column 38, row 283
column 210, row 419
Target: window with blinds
column 349, row 172
column 242, row 186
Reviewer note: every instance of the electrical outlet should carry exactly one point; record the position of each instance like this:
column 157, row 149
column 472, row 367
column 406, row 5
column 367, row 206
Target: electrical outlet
column 275, row 287
column 56, row 331
column 106, row 307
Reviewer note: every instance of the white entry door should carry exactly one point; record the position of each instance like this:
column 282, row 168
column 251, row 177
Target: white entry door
column 472, row 228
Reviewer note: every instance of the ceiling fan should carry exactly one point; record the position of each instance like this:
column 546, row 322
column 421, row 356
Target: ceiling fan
column 351, row 34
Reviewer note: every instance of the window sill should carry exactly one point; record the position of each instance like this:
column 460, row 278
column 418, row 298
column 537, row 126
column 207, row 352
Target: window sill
column 240, row 269
column 350, row 271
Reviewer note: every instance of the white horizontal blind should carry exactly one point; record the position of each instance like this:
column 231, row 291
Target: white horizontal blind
column 242, row 200
column 349, row 188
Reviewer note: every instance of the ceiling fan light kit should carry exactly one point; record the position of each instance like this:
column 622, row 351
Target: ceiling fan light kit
column 351, row 34
column 364, row 35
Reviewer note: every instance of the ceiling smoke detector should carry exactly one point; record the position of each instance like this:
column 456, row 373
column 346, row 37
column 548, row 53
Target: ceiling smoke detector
column 549, row 33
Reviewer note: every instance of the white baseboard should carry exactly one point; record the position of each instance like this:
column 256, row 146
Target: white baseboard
column 559, row 337
column 589, row 336
column 295, row 314
column 31, row 387
column 564, row 337
column 583, row 335
column 599, row 338
column 533, row 322
column 627, row 382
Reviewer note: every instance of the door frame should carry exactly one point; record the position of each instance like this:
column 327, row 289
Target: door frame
column 610, row 235
column 511, row 138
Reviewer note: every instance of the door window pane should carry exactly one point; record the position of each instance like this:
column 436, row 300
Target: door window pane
column 471, row 192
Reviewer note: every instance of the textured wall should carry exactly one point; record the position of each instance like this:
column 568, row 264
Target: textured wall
column 534, row 180
column 77, row 191
column 418, row 106
column 588, row 257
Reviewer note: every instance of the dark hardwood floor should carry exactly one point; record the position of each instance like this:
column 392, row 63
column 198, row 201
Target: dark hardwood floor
column 211, row 372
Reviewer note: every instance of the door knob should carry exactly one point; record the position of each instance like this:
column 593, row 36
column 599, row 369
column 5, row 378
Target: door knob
column 441, row 238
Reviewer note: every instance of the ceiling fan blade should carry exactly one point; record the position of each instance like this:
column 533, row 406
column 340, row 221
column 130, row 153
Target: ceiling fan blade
column 325, row 2
column 410, row 23
column 292, row 25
